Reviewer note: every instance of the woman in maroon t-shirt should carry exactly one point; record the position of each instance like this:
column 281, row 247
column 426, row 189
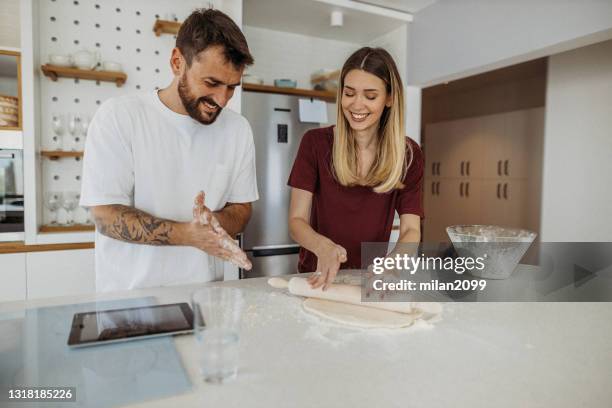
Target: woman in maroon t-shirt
column 349, row 180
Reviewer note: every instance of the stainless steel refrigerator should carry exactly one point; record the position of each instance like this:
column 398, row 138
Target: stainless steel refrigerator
column 277, row 132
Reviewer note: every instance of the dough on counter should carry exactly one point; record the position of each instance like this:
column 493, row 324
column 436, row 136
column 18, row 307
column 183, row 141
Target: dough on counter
column 359, row 316
column 278, row 283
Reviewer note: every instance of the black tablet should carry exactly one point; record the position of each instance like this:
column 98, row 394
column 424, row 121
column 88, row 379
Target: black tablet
column 108, row 326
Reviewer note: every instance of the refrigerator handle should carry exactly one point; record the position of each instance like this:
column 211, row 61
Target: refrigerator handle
column 272, row 251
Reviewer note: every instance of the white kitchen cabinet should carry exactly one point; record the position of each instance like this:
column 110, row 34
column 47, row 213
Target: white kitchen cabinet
column 12, row 277
column 60, row 273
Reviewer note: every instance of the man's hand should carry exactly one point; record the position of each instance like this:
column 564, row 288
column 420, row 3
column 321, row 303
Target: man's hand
column 209, row 236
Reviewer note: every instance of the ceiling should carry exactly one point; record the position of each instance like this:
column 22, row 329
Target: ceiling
column 407, row 6
column 312, row 18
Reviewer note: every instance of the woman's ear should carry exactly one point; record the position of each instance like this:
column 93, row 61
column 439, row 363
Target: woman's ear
column 388, row 101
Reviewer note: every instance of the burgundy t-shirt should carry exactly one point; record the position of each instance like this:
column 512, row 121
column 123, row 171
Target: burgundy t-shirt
column 350, row 215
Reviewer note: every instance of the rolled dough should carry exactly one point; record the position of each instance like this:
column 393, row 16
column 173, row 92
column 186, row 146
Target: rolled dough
column 345, row 294
column 278, row 283
column 359, row 316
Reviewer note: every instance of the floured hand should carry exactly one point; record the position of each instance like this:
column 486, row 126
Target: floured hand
column 223, row 246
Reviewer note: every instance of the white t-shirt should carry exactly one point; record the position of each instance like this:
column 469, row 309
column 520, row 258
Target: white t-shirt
column 140, row 153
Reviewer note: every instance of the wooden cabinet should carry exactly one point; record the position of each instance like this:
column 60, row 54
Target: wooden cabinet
column 479, row 170
column 467, row 145
column 435, row 154
column 503, row 202
column 433, row 191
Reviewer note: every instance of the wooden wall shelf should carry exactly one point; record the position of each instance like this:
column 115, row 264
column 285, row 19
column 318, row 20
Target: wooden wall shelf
column 55, row 72
column 59, row 154
column 325, row 77
column 166, row 27
column 309, row 93
column 20, row 246
column 66, row 228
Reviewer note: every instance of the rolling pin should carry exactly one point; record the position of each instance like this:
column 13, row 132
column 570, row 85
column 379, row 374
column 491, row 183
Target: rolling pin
column 345, row 294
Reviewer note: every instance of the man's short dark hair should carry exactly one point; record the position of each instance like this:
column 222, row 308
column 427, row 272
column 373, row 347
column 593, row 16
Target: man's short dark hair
column 208, row 27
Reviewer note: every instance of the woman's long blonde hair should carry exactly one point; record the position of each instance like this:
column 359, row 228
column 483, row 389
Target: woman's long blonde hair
column 390, row 165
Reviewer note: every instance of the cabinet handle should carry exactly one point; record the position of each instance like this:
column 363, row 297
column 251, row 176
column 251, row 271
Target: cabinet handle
column 438, row 169
column 467, row 168
column 461, row 189
column 505, row 191
column 499, row 167
column 506, row 168
column 498, row 187
column 438, row 188
column 462, row 165
column 467, row 189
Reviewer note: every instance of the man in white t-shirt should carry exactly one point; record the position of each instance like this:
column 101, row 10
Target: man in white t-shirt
column 149, row 156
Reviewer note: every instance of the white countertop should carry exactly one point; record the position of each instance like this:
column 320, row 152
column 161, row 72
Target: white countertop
column 478, row 355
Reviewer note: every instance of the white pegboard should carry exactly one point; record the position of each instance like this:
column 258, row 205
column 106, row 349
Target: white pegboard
column 121, row 31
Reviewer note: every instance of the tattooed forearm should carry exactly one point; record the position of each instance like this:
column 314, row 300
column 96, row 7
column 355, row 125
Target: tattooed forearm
column 132, row 225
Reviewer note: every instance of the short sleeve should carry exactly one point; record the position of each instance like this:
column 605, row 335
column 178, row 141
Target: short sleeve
column 108, row 164
column 244, row 186
column 410, row 197
column 304, row 174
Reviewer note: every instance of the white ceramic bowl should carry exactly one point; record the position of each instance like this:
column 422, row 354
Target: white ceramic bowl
column 251, row 79
column 502, row 248
column 60, row 60
column 111, row 66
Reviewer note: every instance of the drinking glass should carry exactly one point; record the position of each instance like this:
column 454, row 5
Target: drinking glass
column 69, row 203
column 53, row 201
column 217, row 313
column 58, row 125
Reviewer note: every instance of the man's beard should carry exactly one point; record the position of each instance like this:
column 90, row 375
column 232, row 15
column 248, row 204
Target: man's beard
column 192, row 104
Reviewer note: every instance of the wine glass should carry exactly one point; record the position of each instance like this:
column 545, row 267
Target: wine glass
column 74, row 128
column 69, row 203
column 53, row 200
column 84, row 125
column 85, row 120
column 88, row 220
column 59, row 128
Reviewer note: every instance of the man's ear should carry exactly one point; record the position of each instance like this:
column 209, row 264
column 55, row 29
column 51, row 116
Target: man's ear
column 177, row 62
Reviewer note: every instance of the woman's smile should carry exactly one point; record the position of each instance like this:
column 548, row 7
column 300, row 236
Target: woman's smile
column 359, row 117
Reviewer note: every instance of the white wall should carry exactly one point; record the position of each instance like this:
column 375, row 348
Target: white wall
column 576, row 197
column 453, row 39
column 280, row 54
column 9, row 23
column 396, row 43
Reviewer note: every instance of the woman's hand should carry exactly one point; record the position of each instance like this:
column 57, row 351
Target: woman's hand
column 329, row 258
